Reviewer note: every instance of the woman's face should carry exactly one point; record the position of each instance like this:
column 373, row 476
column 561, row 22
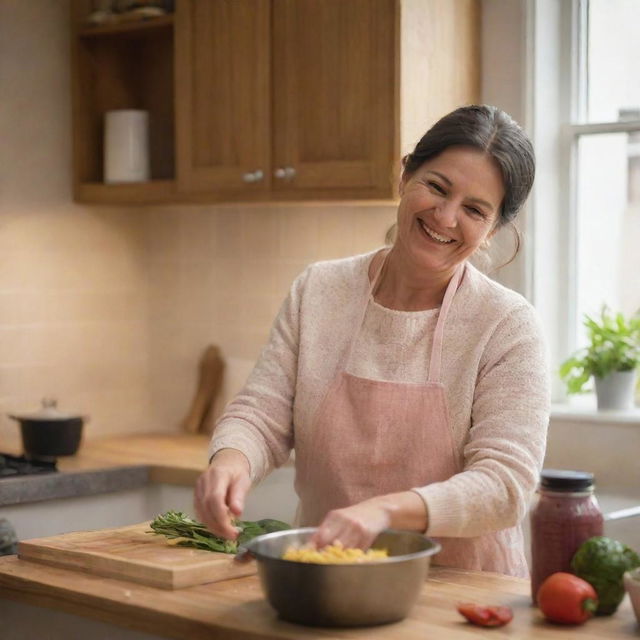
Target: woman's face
column 448, row 207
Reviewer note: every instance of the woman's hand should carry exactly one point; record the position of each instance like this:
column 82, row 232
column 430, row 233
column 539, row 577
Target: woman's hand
column 221, row 490
column 357, row 526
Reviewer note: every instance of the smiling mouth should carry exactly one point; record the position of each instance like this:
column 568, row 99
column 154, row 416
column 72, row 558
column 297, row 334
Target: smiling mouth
column 433, row 234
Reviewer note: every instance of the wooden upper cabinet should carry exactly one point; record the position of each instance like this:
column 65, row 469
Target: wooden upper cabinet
column 258, row 100
column 222, row 95
column 333, row 96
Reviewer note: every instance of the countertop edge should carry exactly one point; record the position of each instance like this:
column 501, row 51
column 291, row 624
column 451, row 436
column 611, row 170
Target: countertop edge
column 95, row 607
column 72, row 484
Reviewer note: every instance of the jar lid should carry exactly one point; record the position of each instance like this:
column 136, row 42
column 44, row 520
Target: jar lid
column 566, row 480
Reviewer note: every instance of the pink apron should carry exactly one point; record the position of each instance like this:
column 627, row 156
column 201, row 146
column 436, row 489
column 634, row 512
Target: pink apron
column 373, row 437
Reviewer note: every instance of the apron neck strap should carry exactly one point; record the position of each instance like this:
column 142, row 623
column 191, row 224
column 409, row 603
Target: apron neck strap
column 364, row 302
column 376, row 275
column 436, row 348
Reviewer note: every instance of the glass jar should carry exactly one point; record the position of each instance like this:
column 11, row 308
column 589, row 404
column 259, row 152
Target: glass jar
column 564, row 515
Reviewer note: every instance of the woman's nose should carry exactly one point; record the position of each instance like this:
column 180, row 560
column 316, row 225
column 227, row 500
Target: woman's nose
column 447, row 214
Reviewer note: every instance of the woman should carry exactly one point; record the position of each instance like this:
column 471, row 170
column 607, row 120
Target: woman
column 413, row 388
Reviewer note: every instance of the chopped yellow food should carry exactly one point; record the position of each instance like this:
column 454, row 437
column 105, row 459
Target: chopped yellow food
column 333, row 554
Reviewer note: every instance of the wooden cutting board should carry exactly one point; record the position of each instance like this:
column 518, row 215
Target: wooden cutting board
column 129, row 553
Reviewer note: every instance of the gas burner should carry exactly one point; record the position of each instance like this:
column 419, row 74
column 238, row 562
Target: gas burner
column 12, row 466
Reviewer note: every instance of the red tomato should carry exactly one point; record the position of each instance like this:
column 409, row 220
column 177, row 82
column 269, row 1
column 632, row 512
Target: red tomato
column 567, row 599
column 492, row 616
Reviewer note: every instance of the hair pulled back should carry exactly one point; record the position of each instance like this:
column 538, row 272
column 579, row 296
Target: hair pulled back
column 493, row 131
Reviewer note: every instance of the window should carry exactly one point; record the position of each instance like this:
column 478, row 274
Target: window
column 606, row 158
column 585, row 105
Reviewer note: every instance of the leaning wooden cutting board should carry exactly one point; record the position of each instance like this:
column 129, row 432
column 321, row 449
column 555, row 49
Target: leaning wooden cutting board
column 129, row 553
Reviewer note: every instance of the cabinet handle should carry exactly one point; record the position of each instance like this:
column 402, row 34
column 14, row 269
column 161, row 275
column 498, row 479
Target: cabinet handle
column 253, row 176
column 284, row 173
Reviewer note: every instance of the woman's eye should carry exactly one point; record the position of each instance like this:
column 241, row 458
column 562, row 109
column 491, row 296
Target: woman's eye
column 437, row 187
column 475, row 212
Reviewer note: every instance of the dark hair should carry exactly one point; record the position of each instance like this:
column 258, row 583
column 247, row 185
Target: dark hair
column 493, row 131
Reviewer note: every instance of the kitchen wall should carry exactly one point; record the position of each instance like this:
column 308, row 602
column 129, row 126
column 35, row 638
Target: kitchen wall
column 73, row 279
column 219, row 274
column 109, row 309
column 504, row 82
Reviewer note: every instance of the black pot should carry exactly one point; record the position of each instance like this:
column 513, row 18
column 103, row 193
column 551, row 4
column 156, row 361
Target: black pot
column 48, row 433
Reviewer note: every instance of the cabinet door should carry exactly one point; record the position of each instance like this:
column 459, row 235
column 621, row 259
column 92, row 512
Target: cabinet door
column 222, row 96
column 334, row 97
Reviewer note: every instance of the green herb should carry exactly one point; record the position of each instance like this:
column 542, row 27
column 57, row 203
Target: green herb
column 602, row 561
column 191, row 533
column 269, row 525
column 614, row 345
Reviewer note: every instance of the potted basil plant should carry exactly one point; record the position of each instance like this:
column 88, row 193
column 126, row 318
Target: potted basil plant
column 612, row 358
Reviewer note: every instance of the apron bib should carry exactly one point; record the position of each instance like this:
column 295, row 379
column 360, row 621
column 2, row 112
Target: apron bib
column 373, row 437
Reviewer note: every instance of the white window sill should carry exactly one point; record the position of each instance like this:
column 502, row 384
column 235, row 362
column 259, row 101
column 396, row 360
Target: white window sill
column 583, row 408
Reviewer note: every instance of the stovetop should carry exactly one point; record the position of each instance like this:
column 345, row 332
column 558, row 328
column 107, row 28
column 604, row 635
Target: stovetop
column 13, row 466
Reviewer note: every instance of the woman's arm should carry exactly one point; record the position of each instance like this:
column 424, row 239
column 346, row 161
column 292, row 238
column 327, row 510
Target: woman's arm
column 255, row 432
column 258, row 421
column 507, row 438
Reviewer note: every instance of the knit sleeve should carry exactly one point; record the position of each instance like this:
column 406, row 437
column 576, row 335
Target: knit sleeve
column 503, row 454
column 258, row 421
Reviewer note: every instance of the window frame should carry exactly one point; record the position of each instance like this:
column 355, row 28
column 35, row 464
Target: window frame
column 558, row 99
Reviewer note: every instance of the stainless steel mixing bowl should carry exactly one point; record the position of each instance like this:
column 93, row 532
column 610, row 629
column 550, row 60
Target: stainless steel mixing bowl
column 343, row 594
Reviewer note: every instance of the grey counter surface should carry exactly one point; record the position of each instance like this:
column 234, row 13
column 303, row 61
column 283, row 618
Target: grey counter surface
column 68, row 484
column 111, row 464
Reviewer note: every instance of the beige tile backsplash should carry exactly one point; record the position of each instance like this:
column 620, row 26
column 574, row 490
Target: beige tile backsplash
column 113, row 317
column 227, row 279
column 74, row 319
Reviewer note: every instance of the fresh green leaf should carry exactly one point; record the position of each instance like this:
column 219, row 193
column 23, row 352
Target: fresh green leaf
column 270, row 525
column 614, row 345
column 191, row 533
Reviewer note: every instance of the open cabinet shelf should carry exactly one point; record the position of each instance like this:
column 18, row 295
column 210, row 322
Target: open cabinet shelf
column 122, row 66
column 127, row 28
column 154, row 191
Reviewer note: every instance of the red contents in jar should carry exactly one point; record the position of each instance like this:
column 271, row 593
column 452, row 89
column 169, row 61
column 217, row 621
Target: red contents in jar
column 565, row 515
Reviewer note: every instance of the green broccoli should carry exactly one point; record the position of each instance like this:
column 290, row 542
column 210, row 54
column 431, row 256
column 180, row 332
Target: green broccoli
column 602, row 562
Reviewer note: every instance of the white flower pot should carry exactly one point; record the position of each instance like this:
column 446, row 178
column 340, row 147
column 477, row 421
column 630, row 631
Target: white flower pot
column 616, row 391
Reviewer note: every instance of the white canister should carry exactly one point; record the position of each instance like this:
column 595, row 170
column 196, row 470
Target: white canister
column 126, row 146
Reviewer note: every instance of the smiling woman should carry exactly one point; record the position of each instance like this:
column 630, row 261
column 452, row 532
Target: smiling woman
column 449, row 206
column 413, row 387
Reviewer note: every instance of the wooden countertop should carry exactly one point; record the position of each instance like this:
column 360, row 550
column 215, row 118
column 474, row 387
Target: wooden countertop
column 173, row 458
column 235, row 609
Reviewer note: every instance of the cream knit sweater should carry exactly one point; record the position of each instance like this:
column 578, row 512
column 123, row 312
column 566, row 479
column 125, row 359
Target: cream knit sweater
column 494, row 369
